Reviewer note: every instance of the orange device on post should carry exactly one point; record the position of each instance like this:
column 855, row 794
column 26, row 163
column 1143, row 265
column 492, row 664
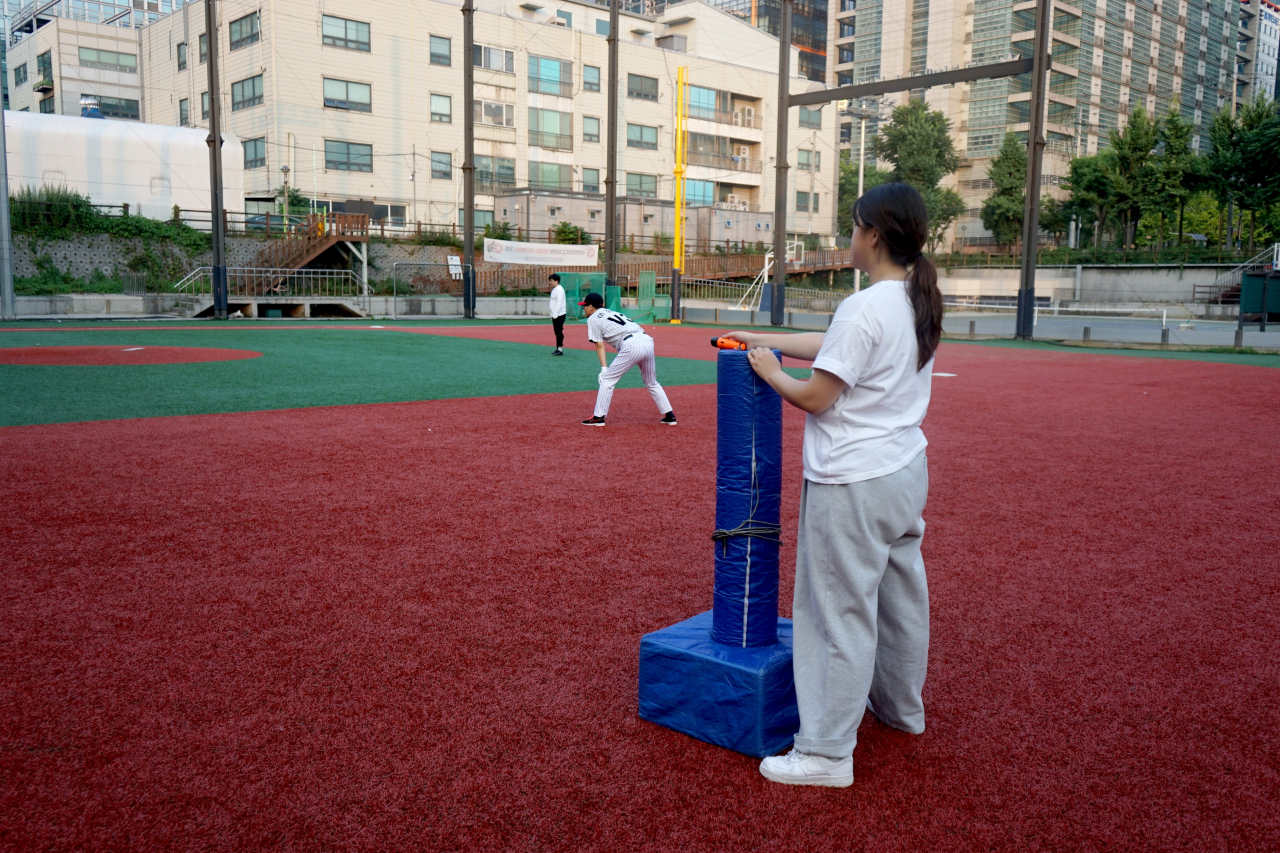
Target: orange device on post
column 727, row 343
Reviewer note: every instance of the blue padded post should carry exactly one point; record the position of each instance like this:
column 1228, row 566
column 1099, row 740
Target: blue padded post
column 748, row 504
column 724, row 676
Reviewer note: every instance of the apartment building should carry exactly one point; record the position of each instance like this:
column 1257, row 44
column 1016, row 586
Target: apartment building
column 357, row 105
column 51, row 69
column 811, row 22
column 1258, row 48
column 1109, row 57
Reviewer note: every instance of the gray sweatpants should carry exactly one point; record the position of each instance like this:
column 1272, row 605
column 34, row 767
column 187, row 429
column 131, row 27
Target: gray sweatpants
column 861, row 609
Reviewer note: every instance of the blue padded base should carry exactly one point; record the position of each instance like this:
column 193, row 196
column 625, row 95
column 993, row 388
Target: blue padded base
column 740, row 698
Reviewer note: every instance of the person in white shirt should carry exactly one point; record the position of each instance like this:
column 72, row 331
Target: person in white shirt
column 861, row 606
column 557, row 311
column 634, row 347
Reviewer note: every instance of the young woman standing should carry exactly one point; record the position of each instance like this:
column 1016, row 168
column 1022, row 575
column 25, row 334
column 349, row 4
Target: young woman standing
column 861, row 607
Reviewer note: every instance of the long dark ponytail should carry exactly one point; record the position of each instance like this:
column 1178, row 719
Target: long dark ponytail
column 898, row 214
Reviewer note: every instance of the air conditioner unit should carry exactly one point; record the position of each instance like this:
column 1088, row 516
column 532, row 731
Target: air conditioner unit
column 731, row 198
column 737, row 119
column 744, row 151
column 749, row 113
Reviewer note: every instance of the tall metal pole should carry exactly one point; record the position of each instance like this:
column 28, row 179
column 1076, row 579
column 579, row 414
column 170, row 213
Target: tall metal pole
column 215, row 167
column 8, row 305
column 468, row 161
column 1035, row 160
column 778, row 304
column 611, row 156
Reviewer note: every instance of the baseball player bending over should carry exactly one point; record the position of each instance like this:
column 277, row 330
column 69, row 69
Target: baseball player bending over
column 633, row 346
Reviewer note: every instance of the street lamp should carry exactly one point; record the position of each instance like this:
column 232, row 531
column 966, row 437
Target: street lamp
column 284, row 170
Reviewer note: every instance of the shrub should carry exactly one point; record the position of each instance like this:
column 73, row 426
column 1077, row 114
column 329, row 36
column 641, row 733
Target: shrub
column 567, row 233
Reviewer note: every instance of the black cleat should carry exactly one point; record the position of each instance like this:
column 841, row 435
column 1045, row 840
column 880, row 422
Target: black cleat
column 669, row 419
column 557, row 352
column 593, row 421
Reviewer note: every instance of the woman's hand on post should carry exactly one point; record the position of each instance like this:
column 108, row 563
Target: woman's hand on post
column 764, row 363
column 742, row 338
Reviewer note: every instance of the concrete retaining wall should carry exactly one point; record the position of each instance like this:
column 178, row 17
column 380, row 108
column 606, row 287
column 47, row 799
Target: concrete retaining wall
column 1132, row 284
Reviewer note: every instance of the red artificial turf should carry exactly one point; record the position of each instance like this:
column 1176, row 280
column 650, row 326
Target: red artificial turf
column 415, row 626
column 118, row 354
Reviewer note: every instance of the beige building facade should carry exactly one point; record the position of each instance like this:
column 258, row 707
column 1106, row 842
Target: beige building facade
column 362, row 102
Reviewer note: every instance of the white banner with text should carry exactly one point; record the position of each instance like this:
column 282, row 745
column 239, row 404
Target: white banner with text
column 539, row 254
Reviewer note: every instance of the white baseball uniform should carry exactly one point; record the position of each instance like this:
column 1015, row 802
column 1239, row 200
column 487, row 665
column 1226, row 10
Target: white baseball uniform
column 634, row 347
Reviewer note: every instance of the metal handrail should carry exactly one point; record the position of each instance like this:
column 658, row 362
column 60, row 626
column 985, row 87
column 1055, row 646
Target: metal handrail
column 1235, row 278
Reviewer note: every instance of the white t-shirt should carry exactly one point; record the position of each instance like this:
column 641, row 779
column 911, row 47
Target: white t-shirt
column 557, row 301
column 873, row 427
column 611, row 327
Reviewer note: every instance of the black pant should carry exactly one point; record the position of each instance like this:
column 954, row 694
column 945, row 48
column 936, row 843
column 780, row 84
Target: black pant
column 557, row 323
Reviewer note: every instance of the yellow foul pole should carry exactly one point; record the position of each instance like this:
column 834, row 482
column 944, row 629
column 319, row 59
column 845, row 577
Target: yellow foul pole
column 677, row 261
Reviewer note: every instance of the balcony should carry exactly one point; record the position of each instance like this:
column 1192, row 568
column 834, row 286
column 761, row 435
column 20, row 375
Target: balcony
column 544, row 86
column 554, row 141
column 484, row 187
column 737, row 118
column 726, row 161
column 42, row 86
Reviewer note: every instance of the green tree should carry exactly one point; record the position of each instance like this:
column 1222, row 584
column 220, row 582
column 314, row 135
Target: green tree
column 1259, row 134
column 848, row 191
column 917, row 141
column 1055, row 217
column 570, row 234
column 944, row 206
column 1132, row 148
column 295, row 203
column 1092, row 184
column 1223, row 166
column 1175, row 168
column 1003, row 210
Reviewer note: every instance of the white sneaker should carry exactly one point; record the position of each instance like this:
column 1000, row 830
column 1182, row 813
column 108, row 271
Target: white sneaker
column 801, row 768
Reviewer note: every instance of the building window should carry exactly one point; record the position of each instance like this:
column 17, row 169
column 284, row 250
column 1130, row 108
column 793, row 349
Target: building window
column 495, row 170
column 844, row 79
column 442, row 109
column 590, row 129
column 552, row 176
column 809, row 161
column 846, row 54
column 345, row 95
column 848, row 28
column 347, row 156
column 246, row 93
column 255, row 153
column 245, row 31
column 109, row 60
column 44, row 65
column 182, row 56
column 591, row 180
column 118, row 107
column 46, row 104
column 339, row 32
column 493, row 58
column 441, row 54
column 641, row 136
column 441, row 165
column 204, row 105
column 644, row 88
column 707, row 103
column 496, row 114
column 602, row 26
column 551, row 129
column 644, row 186
column 567, row 17
column 590, row 78
column 811, row 118
column 848, row 5
column 204, row 48
column 20, row 74
column 184, row 113
column 550, row 76
column 802, row 201
column 699, row 193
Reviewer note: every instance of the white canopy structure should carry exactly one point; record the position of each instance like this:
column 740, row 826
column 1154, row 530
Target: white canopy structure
column 150, row 167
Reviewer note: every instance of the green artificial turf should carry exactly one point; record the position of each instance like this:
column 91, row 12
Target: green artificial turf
column 298, row 368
